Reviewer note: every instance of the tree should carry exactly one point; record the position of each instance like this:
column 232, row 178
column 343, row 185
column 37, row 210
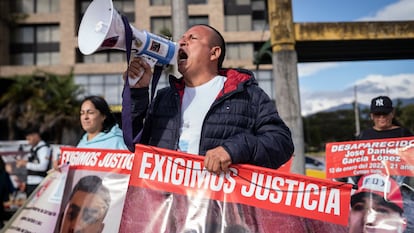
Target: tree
column 406, row 117
column 323, row 127
column 46, row 99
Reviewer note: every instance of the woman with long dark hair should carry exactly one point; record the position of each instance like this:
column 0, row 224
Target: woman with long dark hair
column 101, row 129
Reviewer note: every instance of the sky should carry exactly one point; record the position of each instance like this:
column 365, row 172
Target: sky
column 324, row 85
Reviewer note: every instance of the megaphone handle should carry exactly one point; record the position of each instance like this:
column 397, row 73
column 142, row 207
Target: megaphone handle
column 133, row 81
column 150, row 60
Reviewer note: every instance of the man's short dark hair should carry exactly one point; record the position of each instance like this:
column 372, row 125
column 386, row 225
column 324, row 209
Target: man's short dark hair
column 93, row 184
column 221, row 44
column 31, row 129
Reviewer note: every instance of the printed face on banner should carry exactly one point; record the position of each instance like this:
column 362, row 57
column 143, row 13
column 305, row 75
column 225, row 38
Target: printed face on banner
column 84, row 213
column 371, row 215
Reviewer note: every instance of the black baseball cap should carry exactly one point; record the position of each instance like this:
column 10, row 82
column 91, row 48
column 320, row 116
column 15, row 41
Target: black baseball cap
column 381, row 104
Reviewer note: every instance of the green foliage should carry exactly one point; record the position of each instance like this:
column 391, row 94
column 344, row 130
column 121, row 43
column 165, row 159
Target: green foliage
column 324, row 127
column 406, row 117
column 165, row 32
column 264, row 55
column 43, row 98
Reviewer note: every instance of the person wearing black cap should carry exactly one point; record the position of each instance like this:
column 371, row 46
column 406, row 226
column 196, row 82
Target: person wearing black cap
column 382, row 113
column 385, row 126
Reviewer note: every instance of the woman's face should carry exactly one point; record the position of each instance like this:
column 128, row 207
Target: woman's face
column 91, row 118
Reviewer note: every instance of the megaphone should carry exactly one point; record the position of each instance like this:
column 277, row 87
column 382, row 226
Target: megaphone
column 102, row 28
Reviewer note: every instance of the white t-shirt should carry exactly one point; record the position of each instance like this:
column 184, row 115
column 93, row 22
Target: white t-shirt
column 195, row 105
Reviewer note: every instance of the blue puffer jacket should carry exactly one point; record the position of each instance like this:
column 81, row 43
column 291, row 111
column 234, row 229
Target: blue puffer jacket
column 242, row 119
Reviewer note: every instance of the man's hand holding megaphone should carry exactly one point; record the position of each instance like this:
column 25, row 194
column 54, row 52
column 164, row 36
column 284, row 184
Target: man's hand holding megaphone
column 140, row 71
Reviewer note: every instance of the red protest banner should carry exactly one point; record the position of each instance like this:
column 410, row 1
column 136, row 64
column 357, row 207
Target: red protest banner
column 393, row 156
column 169, row 171
column 104, row 160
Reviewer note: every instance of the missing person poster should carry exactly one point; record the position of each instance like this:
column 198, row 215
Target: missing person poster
column 95, row 189
column 378, row 168
column 393, row 156
column 40, row 211
column 170, row 191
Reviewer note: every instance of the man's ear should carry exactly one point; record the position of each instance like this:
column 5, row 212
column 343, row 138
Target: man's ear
column 215, row 53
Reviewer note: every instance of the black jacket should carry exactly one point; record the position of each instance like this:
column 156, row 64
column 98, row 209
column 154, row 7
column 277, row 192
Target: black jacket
column 242, row 119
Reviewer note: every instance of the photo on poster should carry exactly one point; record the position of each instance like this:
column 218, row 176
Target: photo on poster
column 92, row 201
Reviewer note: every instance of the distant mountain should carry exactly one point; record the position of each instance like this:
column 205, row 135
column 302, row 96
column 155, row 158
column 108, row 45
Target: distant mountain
column 404, row 102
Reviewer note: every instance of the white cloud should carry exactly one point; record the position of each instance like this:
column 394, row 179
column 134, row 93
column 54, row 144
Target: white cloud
column 312, row 102
column 401, row 10
column 308, row 69
column 395, row 86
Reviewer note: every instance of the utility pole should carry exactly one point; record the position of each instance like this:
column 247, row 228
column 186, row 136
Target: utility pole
column 285, row 75
column 179, row 14
column 356, row 111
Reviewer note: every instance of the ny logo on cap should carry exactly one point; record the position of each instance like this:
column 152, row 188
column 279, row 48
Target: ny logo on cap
column 379, row 102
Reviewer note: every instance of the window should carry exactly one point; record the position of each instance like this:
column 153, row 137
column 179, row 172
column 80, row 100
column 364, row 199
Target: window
column 197, row 20
column 237, row 23
column 168, row 2
column 104, row 56
column 259, row 15
column 160, row 2
column 161, row 26
column 109, row 86
column 242, row 2
column 124, row 7
column 197, row 1
column 36, row 6
column 239, row 51
column 265, row 80
column 35, row 45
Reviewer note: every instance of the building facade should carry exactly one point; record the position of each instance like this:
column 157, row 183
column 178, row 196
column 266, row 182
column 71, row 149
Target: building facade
column 42, row 35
